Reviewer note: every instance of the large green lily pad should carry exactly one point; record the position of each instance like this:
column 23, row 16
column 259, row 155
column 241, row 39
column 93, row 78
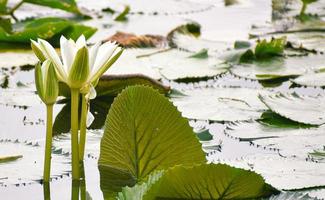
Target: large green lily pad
column 144, row 132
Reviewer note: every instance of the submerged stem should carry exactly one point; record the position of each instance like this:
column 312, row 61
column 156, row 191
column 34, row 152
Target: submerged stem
column 74, row 133
column 83, row 126
column 48, row 143
column 303, row 9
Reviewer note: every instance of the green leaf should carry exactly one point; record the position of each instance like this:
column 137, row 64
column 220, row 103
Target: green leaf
column 311, row 79
column 302, row 109
column 123, row 14
column 202, row 54
column 67, row 5
column 5, row 24
column 4, row 159
column 273, row 119
column 50, row 28
column 144, row 132
column 3, row 6
column 113, row 84
column 206, row 181
column 265, row 49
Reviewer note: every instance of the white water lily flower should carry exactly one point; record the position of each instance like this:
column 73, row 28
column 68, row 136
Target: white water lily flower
column 80, row 64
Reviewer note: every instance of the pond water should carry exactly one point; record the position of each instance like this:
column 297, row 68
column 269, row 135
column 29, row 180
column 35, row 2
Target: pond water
column 22, row 114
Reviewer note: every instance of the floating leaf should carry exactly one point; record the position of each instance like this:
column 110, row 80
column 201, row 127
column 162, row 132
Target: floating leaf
column 17, row 58
column 311, row 79
column 45, row 28
column 144, row 132
column 67, row 5
column 112, row 85
column 122, row 16
column 278, row 67
column 281, row 173
column 302, row 109
column 292, row 196
column 290, row 142
column 207, row 181
column 4, row 159
column 169, row 63
column 220, row 104
column 202, row 54
column 29, row 168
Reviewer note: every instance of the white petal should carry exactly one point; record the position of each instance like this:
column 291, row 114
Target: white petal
column 67, row 53
column 50, row 53
column 92, row 55
column 105, row 51
column 81, row 42
column 90, row 119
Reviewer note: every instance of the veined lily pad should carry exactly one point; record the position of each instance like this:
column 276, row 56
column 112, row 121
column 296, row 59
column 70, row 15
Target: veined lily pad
column 144, row 132
column 282, row 173
column 220, row 104
column 207, row 181
column 170, row 64
column 278, row 67
column 29, row 168
column 291, row 142
column 303, row 109
column 293, row 196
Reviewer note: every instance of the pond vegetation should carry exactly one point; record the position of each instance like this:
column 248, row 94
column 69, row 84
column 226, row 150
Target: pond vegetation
column 162, row 99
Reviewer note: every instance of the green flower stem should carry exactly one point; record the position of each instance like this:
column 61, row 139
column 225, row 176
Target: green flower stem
column 83, row 190
column 83, row 126
column 74, row 133
column 75, row 190
column 303, row 9
column 46, row 191
column 48, row 143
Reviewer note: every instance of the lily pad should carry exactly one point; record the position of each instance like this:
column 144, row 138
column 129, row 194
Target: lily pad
column 17, row 58
column 282, row 173
column 141, row 127
column 278, row 67
column 168, row 63
column 19, row 98
column 67, row 5
column 290, row 142
column 303, row 109
column 220, row 104
column 207, row 181
column 311, row 79
column 29, row 168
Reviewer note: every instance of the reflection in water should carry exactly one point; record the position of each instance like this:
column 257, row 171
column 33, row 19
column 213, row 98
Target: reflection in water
column 78, row 188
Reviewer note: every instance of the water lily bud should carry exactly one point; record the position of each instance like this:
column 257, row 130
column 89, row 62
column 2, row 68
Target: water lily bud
column 47, row 83
column 80, row 68
column 37, row 51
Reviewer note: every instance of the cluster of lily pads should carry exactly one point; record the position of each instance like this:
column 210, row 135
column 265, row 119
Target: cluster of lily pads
column 148, row 149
